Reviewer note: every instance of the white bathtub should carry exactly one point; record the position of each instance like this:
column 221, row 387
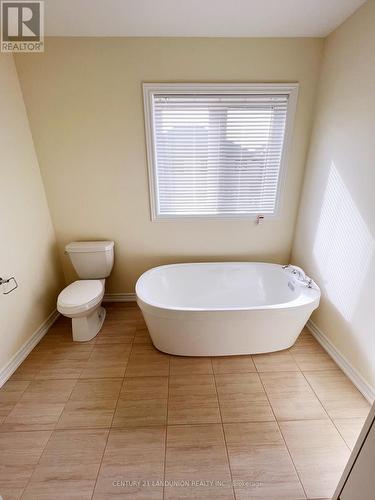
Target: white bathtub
column 221, row 309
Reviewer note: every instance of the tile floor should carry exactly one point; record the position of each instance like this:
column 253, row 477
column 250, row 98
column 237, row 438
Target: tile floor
column 115, row 418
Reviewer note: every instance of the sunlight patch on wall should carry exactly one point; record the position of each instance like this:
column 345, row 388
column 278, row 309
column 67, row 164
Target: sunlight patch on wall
column 343, row 246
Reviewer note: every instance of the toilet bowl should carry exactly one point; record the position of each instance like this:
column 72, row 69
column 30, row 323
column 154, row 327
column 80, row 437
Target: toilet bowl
column 81, row 300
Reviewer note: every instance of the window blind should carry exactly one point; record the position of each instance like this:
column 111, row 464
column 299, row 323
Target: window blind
column 217, row 155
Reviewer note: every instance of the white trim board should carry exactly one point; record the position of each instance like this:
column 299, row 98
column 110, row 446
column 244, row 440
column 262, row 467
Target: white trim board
column 365, row 388
column 27, row 347
column 120, row 297
column 151, row 90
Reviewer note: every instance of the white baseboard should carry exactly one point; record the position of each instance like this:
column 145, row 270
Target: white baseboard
column 27, row 347
column 366, row 389
column 120, row 297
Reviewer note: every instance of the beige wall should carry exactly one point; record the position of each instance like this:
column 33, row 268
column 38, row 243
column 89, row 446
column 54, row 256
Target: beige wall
column 85, row 106
column 27, row 246
column 335, row 237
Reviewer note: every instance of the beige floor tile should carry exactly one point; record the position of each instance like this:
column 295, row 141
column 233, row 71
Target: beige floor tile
column 69, row 465
column 49, row 391
column 66, row 351
column 145, row 388
column 115, row 352
column 319, row 454
column 246, row 385
column 13, row 389
column 32, row 416
column 197, row 452
column 78, row 353
column 20, row 452
column 61, row 487
column 115, row 332
column 134, row 455
column 190, row 366
column 132, row 317
column 291, row 396
column 104, row 368
column 61, row 335
column 233, row 364
column 149, row 350
column 191, row 385
column 96, row 389
column 142, row 336
column 258, row 456
column 123, row 312
column 275, row 362
column 147, row 368
column 242, row 398
column 337, row 393
column 211, row 490
column 145, row 361
column 198, row 409
column 305, row 344
column 61, row 369
column 143, row 401
column 11, row 493
column 349, row 428
column 138, row 323
column 27, row 371
column 192, row 400
column 74, row 447
column 10, row 394
column 87, row 414
column 140, row 412
column 270, row 491
column 245, row 410
column 314, row 361
column 30, row 367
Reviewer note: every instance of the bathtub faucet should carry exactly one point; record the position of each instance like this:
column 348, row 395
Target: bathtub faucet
column 299, row 274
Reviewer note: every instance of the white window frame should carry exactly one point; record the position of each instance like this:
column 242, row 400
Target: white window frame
column 152, row 89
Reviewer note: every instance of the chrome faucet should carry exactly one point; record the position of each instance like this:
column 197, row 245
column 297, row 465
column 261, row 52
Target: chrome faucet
column 299, row 274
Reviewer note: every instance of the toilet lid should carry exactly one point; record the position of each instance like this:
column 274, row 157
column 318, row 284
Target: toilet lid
column 80, row 293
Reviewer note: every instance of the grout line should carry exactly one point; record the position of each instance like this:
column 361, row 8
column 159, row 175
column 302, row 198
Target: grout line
column 163, row 425
column 166, row 427
column 259, row 371
column 36, row 465
column 223, row 430
column 328, row 415
column 52, row 432
column 282, row 436
column 312, row 388
column 113, row 416
column 16, row 402
column 101, row 461
column 66, row 402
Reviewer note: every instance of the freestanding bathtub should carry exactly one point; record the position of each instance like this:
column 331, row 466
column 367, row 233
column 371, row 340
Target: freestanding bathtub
column 225, row 308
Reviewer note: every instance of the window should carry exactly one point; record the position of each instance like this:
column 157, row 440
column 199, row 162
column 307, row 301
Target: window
column 217, row 150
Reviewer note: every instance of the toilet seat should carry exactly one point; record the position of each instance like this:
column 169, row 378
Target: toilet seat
column 80, row 296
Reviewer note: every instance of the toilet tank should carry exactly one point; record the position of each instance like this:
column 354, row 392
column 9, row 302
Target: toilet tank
column 91, row 259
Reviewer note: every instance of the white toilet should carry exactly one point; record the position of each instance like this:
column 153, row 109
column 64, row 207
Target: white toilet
column 81, row 300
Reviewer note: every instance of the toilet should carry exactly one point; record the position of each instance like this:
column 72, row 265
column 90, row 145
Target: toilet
column 81, row 300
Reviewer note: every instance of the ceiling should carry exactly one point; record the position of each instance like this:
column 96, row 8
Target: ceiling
column 208, row 18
